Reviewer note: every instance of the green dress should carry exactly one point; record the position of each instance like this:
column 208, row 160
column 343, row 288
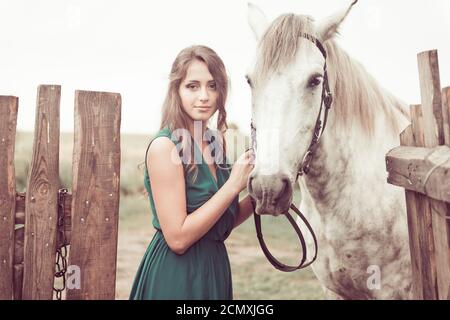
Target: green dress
column 203, row 271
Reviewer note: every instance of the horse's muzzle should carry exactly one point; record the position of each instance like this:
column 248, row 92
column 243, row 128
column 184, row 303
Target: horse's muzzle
column 273, row 193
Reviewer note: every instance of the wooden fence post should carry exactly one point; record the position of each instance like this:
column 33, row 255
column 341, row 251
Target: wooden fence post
column 419, row 221
column 421, row 165
column 95, row 194
column 8, row 113
column 446, row 126
column 41, row 207
column 433, row 120
column 446, row 114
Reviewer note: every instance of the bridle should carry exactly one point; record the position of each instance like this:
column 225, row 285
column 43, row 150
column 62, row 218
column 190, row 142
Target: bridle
column 302, row 169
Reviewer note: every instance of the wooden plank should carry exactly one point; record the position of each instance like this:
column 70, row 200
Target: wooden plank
column 95, row 193
column 407, row 136
column 41, row 207
column 417, row 125
column 446, row 114
column 433, row 120
column 20, row 214
column 419, row 213
column 8, row 120
column 446, row 119
column 430, row 90
column 19, row 237
column 441, row 231
column 419, row 207
column 407, row 139
column 423, row 170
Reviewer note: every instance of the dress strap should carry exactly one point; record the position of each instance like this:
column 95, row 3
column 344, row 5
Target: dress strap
column 159, row 134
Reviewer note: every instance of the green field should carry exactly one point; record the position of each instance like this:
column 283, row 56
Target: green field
column 253, row 276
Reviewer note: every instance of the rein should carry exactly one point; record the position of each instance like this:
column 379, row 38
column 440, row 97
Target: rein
column 303, row 169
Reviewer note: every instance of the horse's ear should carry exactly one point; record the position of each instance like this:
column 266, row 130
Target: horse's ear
column 329, row 27
column 257, row 20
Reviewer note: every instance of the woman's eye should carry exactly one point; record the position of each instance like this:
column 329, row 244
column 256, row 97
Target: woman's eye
column 212, row 86
column 191, row 86
column 314, row 82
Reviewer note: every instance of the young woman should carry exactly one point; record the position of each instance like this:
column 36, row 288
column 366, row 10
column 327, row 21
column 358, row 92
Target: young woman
column 193, row 191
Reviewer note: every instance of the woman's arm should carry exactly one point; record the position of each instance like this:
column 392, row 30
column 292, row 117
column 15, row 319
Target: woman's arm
column 245, row 210
column 168, row 189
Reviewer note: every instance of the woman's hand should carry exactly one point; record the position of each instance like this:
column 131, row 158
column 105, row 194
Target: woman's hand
column 241, row 170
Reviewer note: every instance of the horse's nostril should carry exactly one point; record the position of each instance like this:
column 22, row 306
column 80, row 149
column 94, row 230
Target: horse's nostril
column 285, row 187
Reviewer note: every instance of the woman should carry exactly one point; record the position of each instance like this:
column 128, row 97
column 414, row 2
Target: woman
column 193, row 195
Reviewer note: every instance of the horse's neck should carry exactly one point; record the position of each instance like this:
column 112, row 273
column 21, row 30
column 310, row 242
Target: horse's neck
column 347, row 164
column 361, row 129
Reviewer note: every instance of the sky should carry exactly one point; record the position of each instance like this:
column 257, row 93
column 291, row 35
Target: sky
column 128, row 46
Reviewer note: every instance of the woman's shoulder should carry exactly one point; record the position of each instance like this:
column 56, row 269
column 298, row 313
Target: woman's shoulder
column 162, row 155
column 163, row 133
column 161, row 145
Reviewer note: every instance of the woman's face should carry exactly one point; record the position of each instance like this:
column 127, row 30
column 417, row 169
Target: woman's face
column 198, row 92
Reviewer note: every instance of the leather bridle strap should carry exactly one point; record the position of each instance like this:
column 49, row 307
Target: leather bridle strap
column 276, row 263
column 327, row 99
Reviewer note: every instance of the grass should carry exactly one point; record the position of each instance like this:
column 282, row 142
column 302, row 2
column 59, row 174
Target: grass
column 253, row 276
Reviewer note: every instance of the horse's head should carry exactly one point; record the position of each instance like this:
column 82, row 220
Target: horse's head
column 287, row 93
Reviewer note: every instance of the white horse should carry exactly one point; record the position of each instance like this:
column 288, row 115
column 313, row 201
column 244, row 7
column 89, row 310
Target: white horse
column 359, row 219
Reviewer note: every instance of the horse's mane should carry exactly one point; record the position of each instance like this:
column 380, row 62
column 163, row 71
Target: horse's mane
column 278, row 48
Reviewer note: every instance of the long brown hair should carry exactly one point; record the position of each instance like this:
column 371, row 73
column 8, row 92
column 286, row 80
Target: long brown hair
column 173, row 115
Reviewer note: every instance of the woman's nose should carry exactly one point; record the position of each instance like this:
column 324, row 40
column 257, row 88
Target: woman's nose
column 204, row 95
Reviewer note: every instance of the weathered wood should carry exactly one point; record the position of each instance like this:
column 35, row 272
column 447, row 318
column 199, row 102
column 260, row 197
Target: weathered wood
column 446, row 114
column 446, row 119
column 417, row 125
column 421, row 170
column 407, row 139
column 419, row 219
column 41, row 207
column 441, row 232
column 421, row 215
column 95, row 193
column 407, row 136
column 19, row 236
column 18, row 278
column 8, row 121
column 433, row 119
column 430, row 90
column 20, row 214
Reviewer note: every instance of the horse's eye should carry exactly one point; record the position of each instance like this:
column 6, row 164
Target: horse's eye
column 314, row 82
column 249, row 81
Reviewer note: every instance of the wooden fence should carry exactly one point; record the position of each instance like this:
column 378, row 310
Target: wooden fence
column 37, row 226
column 421, row 165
